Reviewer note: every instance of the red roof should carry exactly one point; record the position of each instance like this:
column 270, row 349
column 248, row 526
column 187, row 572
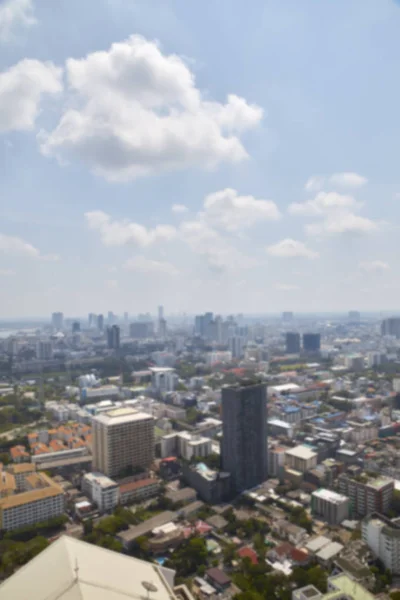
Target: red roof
column 136, row 485
column 170, row 459
column 247, row 552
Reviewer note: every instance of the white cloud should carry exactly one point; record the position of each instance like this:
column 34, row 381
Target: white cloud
column 138, row 111
column 6, row 272
column 120, row 233
column 374, row 266
column 179, row 208
column 314, row 183
column 348, row 180
column 228, row 210
column 323, row 203
column 13, row 15
column 289, row 248
column 140, row 264
column 15, row 246
column 341, row 223
column 286, row 287
column 21, row 89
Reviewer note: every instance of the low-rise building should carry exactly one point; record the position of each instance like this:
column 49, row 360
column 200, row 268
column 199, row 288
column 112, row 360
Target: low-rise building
column 184, row 495
column 301, row 458
column 131, row 490
column 102, row 490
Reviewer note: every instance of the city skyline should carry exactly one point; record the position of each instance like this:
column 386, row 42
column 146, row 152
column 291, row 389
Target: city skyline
column 287, row 185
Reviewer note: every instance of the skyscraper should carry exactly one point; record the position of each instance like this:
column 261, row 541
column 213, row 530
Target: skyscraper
column 292, row 343
column 311, row 342
column 57, row 320
column 113, row 337
column 391, row 326
column 122, row 438
column 100, row 322
column 244, row 441
column 76, row 327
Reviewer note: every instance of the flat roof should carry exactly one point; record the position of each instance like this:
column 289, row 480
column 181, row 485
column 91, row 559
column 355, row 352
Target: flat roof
column 349, row 588
column 118, row 416
column 330, row 550
column 279, row 423
column 330, row 496
column 301, row 452
column 135, row 531
column 101, row 479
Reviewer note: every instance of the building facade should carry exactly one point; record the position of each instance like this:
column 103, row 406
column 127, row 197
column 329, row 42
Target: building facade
column 102, row 490
column 383, row 538
column 244, row 442
column 332, row 507
column 122, row 438
column 292, row 343
column 367, row 496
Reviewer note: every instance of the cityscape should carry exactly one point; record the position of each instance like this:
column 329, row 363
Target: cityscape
column 199, row 300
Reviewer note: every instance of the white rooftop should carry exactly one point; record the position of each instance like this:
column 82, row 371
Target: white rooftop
column 285, row 387
column 302, row 452
column 280, row 423
column 119, row 416
column 330, row 496
column 81, row 571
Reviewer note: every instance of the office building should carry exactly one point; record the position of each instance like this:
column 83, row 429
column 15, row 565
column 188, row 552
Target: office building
column 57, row 321
column 382, row 535
column 113, row 337
column 236, row 346
column 70, row 569
column 244, row 441
column 76, row 327
column 202, row 324
column 301, row 458
column 162, row 328
column 391, row 326
column 141, row 330
column 44, row 350
column 102, row 490
column 31, row 498
column 330, row 506
column 186, row 445
column 122, row 438
column 367, row 495
column 91, row 320
column 100, row 322
column 311, row 342
column 111, row 318
column 292, row 344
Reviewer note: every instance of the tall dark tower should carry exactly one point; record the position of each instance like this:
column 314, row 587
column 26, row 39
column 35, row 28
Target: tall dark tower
column 244, row 442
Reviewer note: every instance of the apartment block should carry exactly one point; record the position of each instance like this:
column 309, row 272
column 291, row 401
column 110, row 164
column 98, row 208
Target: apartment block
column 102, row 490
column 330, row 506
column 301, row 459
column 367, row 495
column 383, row 538
column 122, row 438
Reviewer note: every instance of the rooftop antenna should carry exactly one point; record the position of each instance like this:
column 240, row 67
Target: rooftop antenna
column 76, row 569
column 149, row 587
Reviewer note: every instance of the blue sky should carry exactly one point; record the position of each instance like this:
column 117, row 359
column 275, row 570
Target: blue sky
column 227, row 156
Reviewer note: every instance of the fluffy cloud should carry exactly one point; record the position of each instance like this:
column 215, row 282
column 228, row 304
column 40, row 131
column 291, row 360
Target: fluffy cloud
column 15, row 246
column 341, row 223
column 13, row 15
column 286, row 287
column 289, row 248
column 140, row 264
column 138, row 111
column 120, row 233
column 323, row 203
column 227, row 210
column 21, row 90
column 314, row 183
column 179, row 208
column 348, row 180
column 374, row 266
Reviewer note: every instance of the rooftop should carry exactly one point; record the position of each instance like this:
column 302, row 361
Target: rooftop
column 303, row 452
column 330, row 496
column 75, row 575
column 119, row 416
column 48, row 489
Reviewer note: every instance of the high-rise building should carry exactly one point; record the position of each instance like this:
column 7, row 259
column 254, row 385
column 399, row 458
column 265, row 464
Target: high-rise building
column 141, row 330
column 292, row 343
column 236, row 346
column 91, row 320
column 113, row 337
column 311, row 342
column 331, row 506
column 287, row 317
column 244, row 441
column 100, row 322
column 354, row 316
column 57, row 320
column 162, row 328
column 382, row 535
column 111, row 318
column 76, row 327
column 44, row 350
column 122, row 438
column 373, row 495
column 391, row 326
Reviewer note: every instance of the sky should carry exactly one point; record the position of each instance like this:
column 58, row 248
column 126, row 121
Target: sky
column 219, row 155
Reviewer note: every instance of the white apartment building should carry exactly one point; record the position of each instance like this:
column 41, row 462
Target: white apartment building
column 301, row 458
column 163, row 379
column 186, row 445
column 44, row 350
column 99, row 393
column 222, row 356
column 43, row 500
column 102, row 490
column 332, row 507
column 276, row 460
column 122, row 438
column 383, row 538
